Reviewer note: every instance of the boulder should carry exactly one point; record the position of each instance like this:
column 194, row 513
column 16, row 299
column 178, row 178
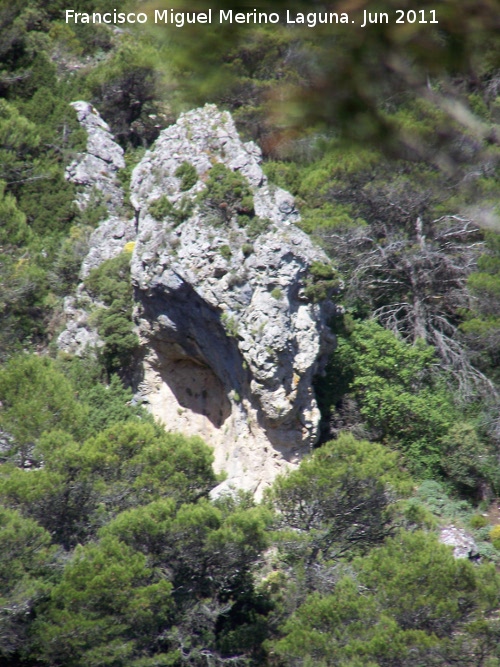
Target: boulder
column 462, row 542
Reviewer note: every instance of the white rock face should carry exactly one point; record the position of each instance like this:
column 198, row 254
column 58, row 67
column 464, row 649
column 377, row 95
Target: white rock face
column 230, row 342
column 108, row 241
column 96, row 169
column 78, row 334
column 463, row 544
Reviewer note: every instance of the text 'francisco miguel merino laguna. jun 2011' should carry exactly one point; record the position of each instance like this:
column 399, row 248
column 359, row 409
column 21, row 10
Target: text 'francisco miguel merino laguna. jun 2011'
column 180, row 19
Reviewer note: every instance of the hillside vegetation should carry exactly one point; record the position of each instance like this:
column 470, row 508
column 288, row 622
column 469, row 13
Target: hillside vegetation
column 111, row 549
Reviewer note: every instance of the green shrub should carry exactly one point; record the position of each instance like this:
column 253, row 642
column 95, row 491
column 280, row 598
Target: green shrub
column 110, row 282
column 162, row 208
column 247, row 249
column 337, row 500
column 255, row 226
column 19, row 140
column 465, row 458
column 321, row 271
column 321, row 283
column 27, row 559
column 487, row 551
column 24, row 301
column 495, row 536
column 49, row 203
column 225, row 252
column 120, row 342
column 123, row 88
column 36, row 397
column 132, row 159
column 277, row 293
column 435, row 497
column 482, row 326
column 478, row 521
column 227, row 193
column 284, row 174
column 107, row 403
column 13, row 228
column 188, row 175
column 68, row 260
column 399, row 398
column 329, row 216
column 408, row 598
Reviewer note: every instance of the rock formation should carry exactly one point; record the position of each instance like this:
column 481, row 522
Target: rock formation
column 95, row 172
column 231, row 329
column 462, row 542
column 96, row 169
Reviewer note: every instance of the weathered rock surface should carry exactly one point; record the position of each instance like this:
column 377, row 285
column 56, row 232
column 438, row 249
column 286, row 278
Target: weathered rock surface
column 78, row 334
column 463, row 544
column 96, row 169
column 231, row 342
column 108, row 241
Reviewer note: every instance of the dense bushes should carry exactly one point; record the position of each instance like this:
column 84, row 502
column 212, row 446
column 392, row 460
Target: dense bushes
column 409, row 599
column 391, row 390
column 110, row 283
column 338, row 501
column 111, row 550
column 36, row 398
column 322, row 282
column 125, row 89
column 153, row 572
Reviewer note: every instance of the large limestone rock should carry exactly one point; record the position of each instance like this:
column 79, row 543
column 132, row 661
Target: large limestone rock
column 230, row 340
column 232, row 343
